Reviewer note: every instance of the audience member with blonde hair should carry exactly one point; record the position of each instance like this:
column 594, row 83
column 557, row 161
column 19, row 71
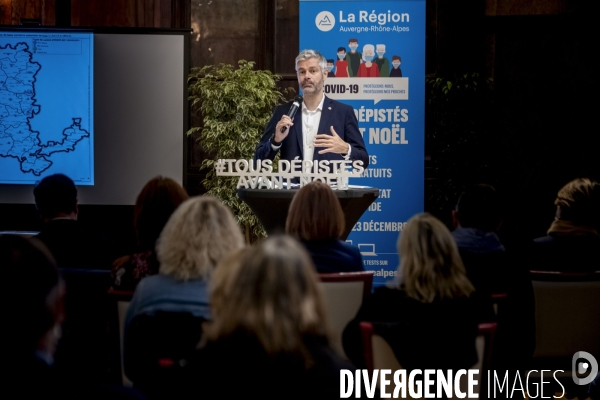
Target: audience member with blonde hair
column 316, row 219
column 269, row 330
column 573, row 239
column 199, row 234
column 430, row 319
column 165, row 317
column 153, row 207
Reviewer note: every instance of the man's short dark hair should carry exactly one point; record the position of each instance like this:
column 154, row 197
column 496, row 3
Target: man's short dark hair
column 479, row 207
column 55, row 194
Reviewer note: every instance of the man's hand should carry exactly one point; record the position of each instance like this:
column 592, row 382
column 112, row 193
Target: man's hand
column 284, row 122
column 332, row 144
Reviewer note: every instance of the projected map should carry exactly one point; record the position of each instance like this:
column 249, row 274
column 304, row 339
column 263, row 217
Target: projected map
column 46, row 106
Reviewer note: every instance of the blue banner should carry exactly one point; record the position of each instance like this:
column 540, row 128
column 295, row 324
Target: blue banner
column 376, row 55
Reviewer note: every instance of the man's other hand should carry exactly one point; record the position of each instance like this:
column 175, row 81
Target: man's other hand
column 331, row 144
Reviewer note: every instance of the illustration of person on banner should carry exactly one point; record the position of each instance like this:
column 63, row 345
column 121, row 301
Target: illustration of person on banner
column 354, row 58
column 330, row 68
column 396, row 71
column 382, row 62
column 341, row 65
column 368, row 69
column 323, row 129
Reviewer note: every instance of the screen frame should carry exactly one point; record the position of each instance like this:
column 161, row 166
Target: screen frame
column 185, row 33
column 114, row 220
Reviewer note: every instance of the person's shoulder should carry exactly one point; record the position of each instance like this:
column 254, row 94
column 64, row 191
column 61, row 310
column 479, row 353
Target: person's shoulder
column 353, row 250
column 338, row 105
column 153, row 281
column 327, row 362
column 388, row 295
column 329, row 100
column 58, row 226
column 543, row 240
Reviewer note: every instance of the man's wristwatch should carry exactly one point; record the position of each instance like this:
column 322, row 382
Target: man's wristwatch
column 274, row 142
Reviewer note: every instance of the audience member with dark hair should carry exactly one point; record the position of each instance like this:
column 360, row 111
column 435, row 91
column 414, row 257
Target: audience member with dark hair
column 316, row 219
column 479, row 208
column 72, row 245
column 430, row 319
column 573, row 239
column 476, row 218
column 493, row 270
column 270, row 325
column 33, row 321
column 153, row 207
column 36, row 310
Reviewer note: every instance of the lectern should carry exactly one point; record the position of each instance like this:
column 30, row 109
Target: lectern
column 271, row 206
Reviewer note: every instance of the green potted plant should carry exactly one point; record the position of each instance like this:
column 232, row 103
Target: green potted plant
column 235, row 105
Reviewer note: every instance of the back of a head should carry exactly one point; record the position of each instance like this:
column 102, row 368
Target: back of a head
column 198, row 235
column 430, row 262
column 33, row 304
column 55, row 194
column 579, row 201
column 479, row 207
column 270, row 290
column 315, row 214
column 153, row 207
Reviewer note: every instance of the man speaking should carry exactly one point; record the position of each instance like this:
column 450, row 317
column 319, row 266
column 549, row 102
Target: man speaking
column 324, row 129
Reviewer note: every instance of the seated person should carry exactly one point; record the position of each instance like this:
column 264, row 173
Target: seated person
column 317, row 220
column 430, row 320
column 573, row 239
column 153, row 207
column 35, row 315
column 269, row 323
column 492, row 269
column 72, row 245
column 34, row 319
column 200, row 233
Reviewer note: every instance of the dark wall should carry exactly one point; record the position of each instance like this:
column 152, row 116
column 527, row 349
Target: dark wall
column 546, row 83
column 117, row 13
column 541, row 57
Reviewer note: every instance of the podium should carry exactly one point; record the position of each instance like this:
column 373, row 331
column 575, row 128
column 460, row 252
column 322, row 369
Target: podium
column 271, row 206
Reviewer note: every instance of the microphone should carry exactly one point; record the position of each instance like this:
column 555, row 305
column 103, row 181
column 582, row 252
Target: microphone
column 293, row 109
